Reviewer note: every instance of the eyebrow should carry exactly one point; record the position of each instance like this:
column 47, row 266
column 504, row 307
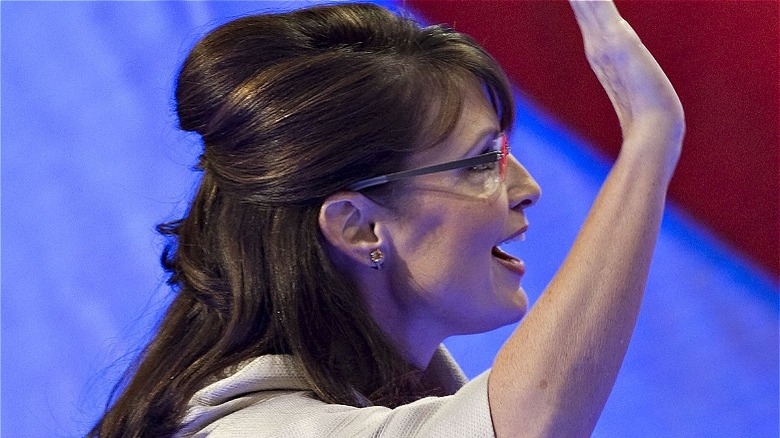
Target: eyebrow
column 487, row 135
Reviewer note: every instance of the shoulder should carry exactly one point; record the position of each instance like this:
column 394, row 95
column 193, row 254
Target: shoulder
column 253, row 406
column 299, row 414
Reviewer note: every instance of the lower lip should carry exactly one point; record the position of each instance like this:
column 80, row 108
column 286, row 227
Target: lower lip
column 512, row 263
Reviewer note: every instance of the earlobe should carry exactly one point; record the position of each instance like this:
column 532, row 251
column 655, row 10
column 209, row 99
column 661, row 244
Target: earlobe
column 348, row 220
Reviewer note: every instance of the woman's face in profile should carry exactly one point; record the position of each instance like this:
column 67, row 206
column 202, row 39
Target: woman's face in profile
column 452, row 279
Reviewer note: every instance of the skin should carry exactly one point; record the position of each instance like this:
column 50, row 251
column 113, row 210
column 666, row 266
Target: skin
column 440, row 277
column 554, row 374
column 588, row 311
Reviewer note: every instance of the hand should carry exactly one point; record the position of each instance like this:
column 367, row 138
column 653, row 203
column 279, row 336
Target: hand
column 647, row 106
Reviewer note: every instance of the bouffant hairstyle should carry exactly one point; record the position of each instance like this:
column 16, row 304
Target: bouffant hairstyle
column 291, row 108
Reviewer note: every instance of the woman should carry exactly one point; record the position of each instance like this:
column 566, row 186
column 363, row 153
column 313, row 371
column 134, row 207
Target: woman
column 356, row 188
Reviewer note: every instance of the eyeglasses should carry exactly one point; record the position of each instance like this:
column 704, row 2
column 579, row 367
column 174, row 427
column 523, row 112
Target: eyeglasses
column 487, row 170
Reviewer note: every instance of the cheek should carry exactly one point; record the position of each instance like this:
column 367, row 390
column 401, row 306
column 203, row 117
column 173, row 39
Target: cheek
column 451, row 243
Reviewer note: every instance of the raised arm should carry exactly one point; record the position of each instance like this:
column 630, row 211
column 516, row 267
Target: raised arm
column 554, row 374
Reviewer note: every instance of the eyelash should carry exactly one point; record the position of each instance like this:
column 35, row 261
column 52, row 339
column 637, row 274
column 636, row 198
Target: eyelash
column 487, row 166
column 483, row 167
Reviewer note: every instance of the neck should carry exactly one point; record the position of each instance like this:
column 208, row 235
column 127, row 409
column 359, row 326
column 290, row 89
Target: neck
column 415, row 336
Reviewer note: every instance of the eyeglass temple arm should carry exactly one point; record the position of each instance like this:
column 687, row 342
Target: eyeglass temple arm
column 489, row 157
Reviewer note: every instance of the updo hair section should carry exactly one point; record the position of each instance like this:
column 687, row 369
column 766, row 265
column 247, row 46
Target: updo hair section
column 296, row 106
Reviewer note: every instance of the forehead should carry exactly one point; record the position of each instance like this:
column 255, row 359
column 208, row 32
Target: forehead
column 477, row 119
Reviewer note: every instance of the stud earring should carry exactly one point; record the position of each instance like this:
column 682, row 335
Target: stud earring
column 377, row 258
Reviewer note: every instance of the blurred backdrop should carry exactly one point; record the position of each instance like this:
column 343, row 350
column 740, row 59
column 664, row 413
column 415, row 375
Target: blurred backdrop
column 91, row 161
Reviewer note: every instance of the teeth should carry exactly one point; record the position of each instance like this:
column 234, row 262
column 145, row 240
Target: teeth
column 519, row 238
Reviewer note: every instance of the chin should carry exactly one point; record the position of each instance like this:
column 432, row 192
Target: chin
column 512, row 316
column 500, row 317
column 515, row 310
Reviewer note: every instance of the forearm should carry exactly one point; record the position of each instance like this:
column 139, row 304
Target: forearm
column 555, row 373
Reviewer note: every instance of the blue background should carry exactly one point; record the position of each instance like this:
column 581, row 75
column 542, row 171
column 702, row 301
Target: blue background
column 91, row 161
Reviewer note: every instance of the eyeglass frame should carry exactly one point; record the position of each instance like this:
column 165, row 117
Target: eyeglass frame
column 489, row 157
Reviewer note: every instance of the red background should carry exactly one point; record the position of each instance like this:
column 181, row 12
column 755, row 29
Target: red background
column 722, row 58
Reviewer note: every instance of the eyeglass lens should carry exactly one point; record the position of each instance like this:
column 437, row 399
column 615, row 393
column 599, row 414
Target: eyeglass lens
column 480, row 181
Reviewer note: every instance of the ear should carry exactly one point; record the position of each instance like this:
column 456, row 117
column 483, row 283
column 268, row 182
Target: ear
column 348, row 221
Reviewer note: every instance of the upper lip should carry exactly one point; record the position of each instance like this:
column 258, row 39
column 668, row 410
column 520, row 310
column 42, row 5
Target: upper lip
column 522, row 230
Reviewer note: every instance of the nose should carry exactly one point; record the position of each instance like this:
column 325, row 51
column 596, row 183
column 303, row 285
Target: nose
column 522, row 188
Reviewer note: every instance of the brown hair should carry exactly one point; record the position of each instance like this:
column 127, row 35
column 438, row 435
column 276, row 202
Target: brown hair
column 291, row 108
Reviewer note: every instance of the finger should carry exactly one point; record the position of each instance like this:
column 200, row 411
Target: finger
column 640, row 92
column 596, row 14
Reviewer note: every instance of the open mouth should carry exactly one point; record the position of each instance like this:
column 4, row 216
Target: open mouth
column 511, row 262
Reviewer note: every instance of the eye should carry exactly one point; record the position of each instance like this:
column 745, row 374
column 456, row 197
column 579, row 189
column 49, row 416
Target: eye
column 494, row 146
column 483, row 167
